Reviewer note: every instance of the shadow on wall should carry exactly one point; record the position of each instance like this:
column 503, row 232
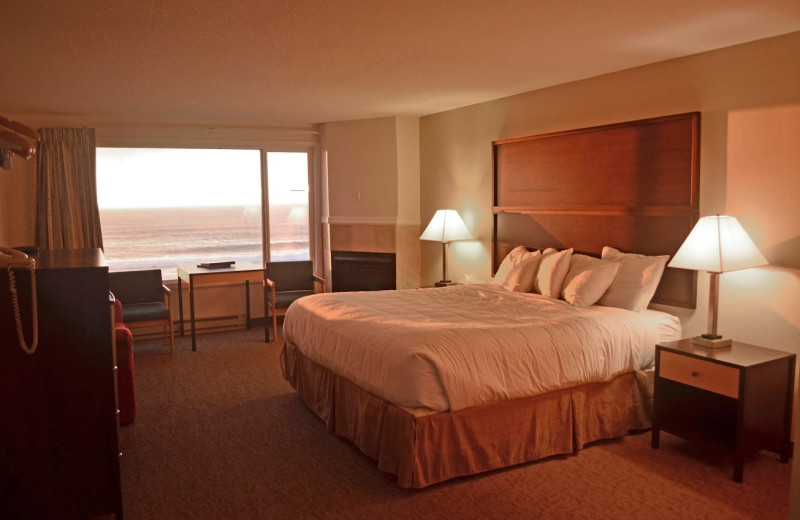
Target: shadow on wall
column 784, row 254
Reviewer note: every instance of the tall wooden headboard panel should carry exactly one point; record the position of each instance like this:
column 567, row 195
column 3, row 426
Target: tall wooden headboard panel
column 632, row 186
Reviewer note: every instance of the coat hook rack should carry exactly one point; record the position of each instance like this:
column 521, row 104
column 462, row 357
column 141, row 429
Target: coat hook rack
column 16, row 138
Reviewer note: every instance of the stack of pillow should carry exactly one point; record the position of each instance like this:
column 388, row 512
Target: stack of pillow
column 616, row 279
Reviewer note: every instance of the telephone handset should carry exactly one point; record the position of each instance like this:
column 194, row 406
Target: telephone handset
column 13, row 259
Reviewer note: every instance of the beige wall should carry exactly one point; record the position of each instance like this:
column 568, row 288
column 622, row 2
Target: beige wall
column 456, row 154
column 362, row 168
column 372, row 176
column 763, row 191
column 408, row 170
column 17, row 203
column 748, row 96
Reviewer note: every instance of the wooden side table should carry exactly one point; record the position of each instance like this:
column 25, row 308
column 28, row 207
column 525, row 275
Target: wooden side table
column 738, row 396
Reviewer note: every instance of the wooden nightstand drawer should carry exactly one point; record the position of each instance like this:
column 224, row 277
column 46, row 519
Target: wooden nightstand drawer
column 714, row 377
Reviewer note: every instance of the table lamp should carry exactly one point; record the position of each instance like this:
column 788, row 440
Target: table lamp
column 716, row 244
column 446, row 226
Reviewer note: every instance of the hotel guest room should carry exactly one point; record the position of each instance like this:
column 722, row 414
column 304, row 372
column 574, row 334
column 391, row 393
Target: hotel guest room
column 407, row 108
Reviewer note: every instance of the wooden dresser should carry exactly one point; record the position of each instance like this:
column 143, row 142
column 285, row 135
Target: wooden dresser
column 59, row 445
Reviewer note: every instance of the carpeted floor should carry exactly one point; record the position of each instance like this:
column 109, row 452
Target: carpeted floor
column 220, row 435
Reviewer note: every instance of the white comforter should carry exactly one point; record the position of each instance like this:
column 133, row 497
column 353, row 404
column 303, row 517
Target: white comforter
column 455, row 347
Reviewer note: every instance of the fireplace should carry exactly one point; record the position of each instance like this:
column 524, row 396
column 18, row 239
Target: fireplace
column 361, row 271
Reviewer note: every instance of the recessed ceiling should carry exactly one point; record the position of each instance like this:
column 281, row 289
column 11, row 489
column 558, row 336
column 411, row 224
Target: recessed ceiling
column 311, row 61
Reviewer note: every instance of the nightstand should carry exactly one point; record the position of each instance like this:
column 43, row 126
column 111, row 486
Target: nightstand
column 738, row 396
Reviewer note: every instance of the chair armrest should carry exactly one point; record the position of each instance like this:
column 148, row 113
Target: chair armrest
column 269, row 293
column 321, row 280
column 167, row 299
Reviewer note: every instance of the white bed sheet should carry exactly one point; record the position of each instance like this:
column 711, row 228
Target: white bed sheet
column 454, row 347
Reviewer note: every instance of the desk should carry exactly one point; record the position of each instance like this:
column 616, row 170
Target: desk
column 200, row 276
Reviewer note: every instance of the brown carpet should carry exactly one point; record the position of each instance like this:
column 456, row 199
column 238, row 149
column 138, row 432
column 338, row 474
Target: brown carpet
column 220, row 435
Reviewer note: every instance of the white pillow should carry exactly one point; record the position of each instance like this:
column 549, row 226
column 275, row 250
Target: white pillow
column 553, row 268
column 521, row 270
column 636, row 280
column 587, row 279
column 507, row 263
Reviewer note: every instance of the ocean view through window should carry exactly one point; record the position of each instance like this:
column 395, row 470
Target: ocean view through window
column 160, row 208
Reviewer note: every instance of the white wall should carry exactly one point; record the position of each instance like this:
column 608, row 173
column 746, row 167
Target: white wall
column 372, row 177
column 408, row 170
column 763, row 192
column 362, row 169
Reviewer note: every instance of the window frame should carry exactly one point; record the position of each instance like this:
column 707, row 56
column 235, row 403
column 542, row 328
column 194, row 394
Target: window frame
column 301, row 139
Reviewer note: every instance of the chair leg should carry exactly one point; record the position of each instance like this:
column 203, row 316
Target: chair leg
column 171, row 338
column 275, row 324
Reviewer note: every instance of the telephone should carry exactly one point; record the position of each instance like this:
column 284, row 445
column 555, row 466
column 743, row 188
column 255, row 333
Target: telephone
column 13, row 259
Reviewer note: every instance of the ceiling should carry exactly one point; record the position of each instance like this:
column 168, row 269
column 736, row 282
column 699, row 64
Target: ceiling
column 289, row 62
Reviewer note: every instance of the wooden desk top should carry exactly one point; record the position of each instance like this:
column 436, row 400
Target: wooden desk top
column 242, row 271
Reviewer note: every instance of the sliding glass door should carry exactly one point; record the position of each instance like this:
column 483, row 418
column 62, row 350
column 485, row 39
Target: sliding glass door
column 289, row 233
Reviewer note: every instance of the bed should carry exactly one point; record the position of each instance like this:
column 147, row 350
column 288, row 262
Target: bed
column 554, row 353
column 407, row 375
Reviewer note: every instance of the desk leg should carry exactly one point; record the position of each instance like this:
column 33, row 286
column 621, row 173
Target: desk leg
column 266, row 314
column 191, row 311
column 180, row 305
column 247, row 301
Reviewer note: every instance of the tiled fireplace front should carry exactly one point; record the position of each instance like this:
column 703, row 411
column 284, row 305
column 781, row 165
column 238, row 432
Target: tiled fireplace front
column 402, row 240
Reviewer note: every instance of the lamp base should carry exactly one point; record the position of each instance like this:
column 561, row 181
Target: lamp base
column 444, row 283
column 709, row 341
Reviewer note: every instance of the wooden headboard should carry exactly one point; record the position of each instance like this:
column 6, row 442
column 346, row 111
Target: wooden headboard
column 632, row 186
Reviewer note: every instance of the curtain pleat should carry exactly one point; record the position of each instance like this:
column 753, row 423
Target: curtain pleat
column 67, row 216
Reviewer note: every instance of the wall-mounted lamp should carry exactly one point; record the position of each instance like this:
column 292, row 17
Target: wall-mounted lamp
column 716, row 244
column 446, row 226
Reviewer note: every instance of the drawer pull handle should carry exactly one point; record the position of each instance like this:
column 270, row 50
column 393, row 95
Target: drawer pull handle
column 695, row 373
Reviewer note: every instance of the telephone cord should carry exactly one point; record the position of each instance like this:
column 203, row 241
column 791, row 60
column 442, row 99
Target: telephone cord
column 12, row 284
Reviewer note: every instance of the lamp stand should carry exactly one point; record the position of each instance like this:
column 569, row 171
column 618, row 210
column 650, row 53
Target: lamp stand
column 711, row 339
column 444, row 281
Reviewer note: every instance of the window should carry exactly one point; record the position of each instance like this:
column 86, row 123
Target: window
column 164, row 207
column 288, row 205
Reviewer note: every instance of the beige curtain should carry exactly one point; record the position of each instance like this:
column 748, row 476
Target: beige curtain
column 67, row 216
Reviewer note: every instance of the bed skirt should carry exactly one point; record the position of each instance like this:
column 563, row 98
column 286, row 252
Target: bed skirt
column 426, row 449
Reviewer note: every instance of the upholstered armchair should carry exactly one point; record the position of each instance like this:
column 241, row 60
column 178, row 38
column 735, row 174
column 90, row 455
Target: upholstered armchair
column 146, row 301
column 126, row 388
column 284, row 283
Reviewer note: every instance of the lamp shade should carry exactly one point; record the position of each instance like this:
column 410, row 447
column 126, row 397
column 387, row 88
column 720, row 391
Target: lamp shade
column 717, row 244
column 446, row 226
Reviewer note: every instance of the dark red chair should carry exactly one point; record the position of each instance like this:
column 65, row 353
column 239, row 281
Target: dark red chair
column 126, row 389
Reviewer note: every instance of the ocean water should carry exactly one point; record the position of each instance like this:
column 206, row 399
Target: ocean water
column 164, row 238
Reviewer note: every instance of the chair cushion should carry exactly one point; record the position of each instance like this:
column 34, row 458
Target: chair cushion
column 132, row 313
column 284, row 299
column 291, row 276
column 137, row 286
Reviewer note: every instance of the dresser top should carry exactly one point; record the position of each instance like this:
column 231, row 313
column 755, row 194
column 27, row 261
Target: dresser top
column 69, row 258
